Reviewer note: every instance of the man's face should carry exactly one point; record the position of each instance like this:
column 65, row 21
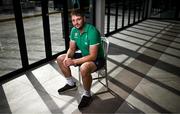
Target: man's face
column 77, row 21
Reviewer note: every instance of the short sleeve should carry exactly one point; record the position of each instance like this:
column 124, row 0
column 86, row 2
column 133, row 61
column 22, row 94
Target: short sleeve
column 94, row 36
column 72, row 34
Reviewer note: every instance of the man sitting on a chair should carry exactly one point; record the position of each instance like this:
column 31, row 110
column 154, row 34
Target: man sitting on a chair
column 87, row 39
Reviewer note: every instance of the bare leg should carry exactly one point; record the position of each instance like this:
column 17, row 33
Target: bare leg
column 65, row 70
column 86, row 70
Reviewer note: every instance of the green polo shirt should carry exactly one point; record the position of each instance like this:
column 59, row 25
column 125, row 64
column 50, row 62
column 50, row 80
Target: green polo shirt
column 88, row 38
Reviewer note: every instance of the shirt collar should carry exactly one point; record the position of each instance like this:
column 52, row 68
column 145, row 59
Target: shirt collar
column 85, row 28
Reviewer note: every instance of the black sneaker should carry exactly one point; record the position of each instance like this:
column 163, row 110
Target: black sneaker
column 67, row 88
column 85, row 101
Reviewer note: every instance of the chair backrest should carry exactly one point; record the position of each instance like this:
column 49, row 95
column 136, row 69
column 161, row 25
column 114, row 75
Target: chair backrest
column 105, row 43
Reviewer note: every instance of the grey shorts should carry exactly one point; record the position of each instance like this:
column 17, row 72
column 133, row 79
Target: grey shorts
column 99, row 62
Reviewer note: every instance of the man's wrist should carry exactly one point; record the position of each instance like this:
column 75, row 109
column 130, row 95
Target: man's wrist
column 75, row 62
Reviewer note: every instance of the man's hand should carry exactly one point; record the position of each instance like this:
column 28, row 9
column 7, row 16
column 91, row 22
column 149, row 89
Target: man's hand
column 68, row 62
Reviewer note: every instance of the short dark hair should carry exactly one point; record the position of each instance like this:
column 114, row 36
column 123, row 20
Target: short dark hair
column 77, row 12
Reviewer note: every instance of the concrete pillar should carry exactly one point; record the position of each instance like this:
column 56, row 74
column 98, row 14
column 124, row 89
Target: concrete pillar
column 100, row 15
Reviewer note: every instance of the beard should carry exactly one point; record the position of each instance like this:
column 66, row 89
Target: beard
column 80, row 27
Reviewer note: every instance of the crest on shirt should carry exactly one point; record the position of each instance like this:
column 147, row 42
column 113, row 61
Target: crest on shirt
column 76, row 34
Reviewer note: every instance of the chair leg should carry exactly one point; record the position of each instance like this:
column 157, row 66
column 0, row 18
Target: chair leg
column 79, row 75
column 107, row 86
column 98, row 76
column 106, row 79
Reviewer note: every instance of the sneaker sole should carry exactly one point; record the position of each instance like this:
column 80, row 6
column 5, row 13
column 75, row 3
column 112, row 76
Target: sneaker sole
column 81, row 108
column 75, row 88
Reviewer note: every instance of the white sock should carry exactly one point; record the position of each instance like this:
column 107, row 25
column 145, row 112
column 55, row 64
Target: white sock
column 70, row 81
column 87, row 93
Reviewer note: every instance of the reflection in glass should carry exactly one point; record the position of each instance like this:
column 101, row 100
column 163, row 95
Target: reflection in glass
column 9, row 48
column 55, row 18
column 33, row 27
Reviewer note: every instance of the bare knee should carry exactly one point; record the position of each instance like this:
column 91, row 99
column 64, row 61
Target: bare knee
column 87, row 68
column 60, row 58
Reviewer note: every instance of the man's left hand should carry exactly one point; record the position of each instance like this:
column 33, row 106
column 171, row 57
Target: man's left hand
column 69, row 62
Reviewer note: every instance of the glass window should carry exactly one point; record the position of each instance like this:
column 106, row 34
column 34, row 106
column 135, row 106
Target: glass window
column 56, row 26
column 10, row 59
column 33, row 28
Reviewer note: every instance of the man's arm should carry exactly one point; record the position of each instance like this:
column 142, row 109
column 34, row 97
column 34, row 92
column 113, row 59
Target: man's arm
column 71, row 50
column 70, row 53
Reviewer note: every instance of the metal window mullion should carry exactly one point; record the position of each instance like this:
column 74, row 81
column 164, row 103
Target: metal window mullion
column 144, row 4
column 177, row 10
column 116, row 18
column 20, row 33
column 129, row 14
column 46, row 28
column 108, row 16
column 123, row 13
column 66, row 23
column 147, row 8
column 134, row 19
column 139, row 10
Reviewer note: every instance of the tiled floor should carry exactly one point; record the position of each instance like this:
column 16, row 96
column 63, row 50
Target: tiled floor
column 143, row 69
